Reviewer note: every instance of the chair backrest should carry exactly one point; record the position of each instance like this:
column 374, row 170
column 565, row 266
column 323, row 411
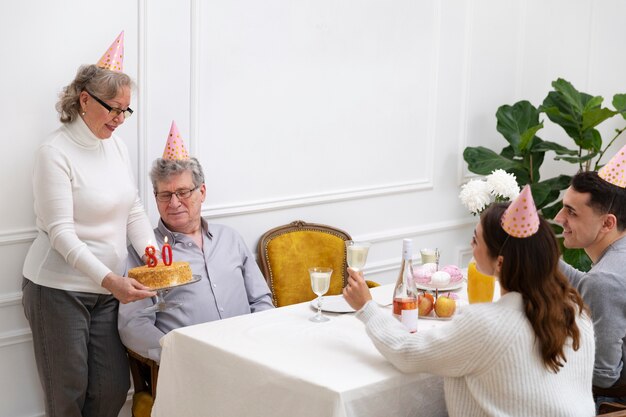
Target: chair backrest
column 286, row 253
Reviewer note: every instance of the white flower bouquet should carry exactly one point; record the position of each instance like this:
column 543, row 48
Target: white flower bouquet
column 498, row 186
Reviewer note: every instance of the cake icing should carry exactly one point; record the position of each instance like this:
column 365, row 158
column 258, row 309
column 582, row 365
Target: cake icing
column 162, row 276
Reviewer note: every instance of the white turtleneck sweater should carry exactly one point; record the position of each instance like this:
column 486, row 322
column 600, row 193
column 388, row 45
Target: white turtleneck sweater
column 86, row 205
column 489, row 361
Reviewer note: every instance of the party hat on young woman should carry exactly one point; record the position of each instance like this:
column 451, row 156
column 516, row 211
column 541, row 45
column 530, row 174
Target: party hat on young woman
column 521, row 219
column 613, row 171
column 113, row 58
column 175, row 147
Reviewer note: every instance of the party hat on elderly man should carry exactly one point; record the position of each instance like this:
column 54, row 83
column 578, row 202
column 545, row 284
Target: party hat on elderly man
column 175, row 147
column 613, row 172
column 113, row 58
column 521, row 219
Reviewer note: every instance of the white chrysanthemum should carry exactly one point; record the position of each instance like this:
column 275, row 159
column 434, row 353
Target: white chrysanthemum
column 502, row 185
column 475, row 195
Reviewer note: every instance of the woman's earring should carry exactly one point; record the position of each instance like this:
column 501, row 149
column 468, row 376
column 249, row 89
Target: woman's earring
column 83, row 113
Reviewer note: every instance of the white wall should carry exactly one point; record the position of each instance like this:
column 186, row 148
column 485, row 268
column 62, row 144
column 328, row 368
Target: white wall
column 346, row 112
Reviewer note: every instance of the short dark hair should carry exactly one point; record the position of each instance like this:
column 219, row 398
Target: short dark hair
column 605, row 198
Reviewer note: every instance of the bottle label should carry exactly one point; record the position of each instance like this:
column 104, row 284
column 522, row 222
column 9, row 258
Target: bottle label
column 409, row 319
column 405, row 310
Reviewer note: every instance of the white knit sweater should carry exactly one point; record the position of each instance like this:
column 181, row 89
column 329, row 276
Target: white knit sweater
column 86, row 205
column 489, row 361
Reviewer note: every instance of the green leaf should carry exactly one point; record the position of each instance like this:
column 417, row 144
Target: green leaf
column 518, row 120
column 593, row 117
column 527, row 137
column 563, row 114
column 545, row 146
column 550, row 212
column 593, row 103
column 558, row 183
column 540, row 191
column 483, row 161
column 577, row 258
column 577, row 160
column 557, row 229
column 508, row 152
column 570, row 95
column 619, row 102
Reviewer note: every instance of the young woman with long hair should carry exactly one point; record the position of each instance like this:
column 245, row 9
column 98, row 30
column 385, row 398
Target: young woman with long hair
column 529, row 353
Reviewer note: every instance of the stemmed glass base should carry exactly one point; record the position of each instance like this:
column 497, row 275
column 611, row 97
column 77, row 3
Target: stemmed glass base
column 319, row 317
column 161, row 305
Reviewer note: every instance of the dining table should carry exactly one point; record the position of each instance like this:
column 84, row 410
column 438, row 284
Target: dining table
column 278, row 363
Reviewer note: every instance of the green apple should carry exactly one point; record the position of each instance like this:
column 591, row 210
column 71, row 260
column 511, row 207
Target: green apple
column 445, row 306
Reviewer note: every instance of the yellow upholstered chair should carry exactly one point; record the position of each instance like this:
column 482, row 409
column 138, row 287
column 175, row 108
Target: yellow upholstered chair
column 144, row 372
column 286, row 253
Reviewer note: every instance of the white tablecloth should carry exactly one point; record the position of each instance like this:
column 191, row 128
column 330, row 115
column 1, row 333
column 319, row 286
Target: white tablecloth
column 277, row 363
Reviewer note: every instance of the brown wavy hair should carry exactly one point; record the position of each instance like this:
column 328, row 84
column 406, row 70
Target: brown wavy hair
column 530, row 267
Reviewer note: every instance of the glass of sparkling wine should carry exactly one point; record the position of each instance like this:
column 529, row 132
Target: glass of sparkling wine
column 357, row 254
column 320, row 281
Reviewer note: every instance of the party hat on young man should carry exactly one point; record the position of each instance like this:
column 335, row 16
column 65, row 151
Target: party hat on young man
column 521, row 219
column 175, row 147
column 113, row 58
column 613, row 171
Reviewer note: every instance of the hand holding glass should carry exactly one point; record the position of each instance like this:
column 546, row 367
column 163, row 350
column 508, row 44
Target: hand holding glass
column 320, row 281
column 357, row 254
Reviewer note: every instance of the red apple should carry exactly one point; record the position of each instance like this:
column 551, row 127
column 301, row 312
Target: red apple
column 445, row 306
column 425, row 304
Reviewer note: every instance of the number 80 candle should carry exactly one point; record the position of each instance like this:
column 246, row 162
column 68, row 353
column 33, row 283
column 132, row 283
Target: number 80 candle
column 151, row 256
column 166, row 253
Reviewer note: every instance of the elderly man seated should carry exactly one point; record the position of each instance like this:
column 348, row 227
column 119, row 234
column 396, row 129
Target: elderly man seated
column 231, row 283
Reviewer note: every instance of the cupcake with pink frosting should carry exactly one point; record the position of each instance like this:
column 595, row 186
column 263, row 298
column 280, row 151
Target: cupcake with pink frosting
column 423, row 274
column 455, row 273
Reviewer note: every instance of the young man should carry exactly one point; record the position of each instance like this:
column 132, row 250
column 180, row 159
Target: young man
column 594, row 219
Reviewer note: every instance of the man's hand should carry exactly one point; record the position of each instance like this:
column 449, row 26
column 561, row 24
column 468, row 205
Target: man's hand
column 126, row 289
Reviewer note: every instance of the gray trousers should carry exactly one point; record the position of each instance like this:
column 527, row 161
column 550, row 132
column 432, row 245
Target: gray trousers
column 81, row 361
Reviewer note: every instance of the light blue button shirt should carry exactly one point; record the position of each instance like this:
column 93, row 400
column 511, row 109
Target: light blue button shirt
column 231, row 284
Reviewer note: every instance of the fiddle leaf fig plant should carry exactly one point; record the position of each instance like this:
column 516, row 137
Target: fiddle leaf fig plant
column 578, row 114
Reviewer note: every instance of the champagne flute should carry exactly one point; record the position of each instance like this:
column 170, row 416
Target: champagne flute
column 320, row 281
column 357, row 254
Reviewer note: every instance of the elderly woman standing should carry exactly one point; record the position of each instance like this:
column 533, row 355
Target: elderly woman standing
column 530, row 353
column 86, row 205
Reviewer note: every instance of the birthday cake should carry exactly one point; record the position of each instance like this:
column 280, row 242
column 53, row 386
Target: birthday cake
column 162, row 276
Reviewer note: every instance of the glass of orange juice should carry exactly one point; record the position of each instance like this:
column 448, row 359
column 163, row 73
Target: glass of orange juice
column 480, row 286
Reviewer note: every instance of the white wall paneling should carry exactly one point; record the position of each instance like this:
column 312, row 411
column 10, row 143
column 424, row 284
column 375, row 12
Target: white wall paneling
column 337, row 82
column 352, row 113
